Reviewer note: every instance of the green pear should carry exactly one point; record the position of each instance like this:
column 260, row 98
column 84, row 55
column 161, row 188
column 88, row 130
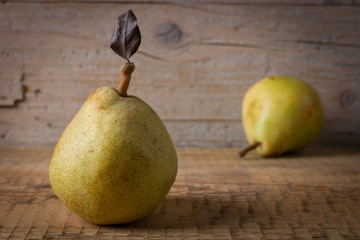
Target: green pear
column 280, row 114
column 115, row 161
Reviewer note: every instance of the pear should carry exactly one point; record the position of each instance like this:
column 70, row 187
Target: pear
column 280, row 114
column 115, row 161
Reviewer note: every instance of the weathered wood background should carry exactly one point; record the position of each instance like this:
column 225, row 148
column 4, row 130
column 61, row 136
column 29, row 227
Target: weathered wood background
column 196, row 61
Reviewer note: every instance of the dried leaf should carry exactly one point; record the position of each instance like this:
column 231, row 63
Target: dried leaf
column 126, row 38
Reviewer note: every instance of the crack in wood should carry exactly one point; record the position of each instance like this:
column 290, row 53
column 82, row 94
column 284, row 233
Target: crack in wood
column 269, row 47
column 323, row 43
column 47, row 230
column 9, row 210
column 237, row 45
column 65, row 224
column 15, row 101
column 30, row 229
column 151, row 56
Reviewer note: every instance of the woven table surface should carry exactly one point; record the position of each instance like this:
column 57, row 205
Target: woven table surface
column 312, row 195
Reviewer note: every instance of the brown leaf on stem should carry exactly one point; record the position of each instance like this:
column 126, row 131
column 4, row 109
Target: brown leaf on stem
column 126, row 38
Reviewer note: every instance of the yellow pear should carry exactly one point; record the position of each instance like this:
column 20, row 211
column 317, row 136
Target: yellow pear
column 280, row 114
column 115, row 161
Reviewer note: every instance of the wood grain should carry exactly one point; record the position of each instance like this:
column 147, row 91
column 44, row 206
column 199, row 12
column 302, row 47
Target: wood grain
column 194, row 66
column 312, row 195
column 221, row 2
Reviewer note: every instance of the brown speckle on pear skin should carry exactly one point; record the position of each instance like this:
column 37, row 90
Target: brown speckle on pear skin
column 272, row 78
column 125, row 178
column 309, row 113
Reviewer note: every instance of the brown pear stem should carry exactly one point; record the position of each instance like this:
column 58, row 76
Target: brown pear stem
column 244, row 151
column 125, row 76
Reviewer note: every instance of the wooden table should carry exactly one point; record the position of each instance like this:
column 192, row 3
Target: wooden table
column 315, row 194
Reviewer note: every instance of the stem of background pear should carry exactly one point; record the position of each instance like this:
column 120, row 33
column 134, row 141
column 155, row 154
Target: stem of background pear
column 243, row 152
column 125, row 76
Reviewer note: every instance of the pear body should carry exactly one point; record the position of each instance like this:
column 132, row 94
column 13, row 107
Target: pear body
column 283, row 114
column 115, row 162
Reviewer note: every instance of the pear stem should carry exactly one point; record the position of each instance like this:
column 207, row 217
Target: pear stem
column 125, row 76
column 244, row 151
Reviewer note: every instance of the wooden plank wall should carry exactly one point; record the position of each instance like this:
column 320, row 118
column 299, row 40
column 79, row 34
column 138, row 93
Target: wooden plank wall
column 196, row 61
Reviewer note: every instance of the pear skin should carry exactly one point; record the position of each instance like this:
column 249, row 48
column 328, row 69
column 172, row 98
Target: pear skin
column 115, row 162
column 281, row 114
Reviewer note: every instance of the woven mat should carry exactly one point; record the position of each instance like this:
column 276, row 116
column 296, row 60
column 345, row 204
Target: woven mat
column 312, row 195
